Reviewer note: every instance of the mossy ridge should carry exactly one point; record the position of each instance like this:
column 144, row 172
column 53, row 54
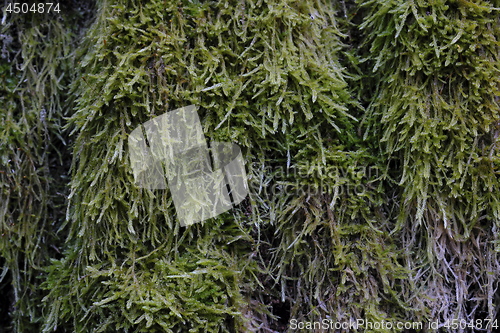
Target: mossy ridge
column 166, row 55
column 435, row 112
column 326, row 242
column 350, row 231
column 35, row 73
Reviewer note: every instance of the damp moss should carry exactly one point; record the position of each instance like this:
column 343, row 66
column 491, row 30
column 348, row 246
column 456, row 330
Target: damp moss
column 434, row 110
column 35, row 70
column 370, row 136
column 267, row 76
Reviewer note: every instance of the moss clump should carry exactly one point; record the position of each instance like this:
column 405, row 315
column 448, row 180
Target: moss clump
column 372, row 196
column 266, row 76
column 35, row 70
column 435, row 112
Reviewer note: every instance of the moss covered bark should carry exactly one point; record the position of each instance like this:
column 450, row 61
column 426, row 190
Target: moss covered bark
column 370, row 136
column 435, row 112
column 35, row 71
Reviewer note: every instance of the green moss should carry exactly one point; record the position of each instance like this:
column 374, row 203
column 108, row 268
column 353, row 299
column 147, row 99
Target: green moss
column 435, row 112
column 383, row 213
column 34, row 75
column 267, row 76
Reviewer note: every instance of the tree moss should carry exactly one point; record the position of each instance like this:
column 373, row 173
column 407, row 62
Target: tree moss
column 435, row 113
column 35, row 70
column 370, row 136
